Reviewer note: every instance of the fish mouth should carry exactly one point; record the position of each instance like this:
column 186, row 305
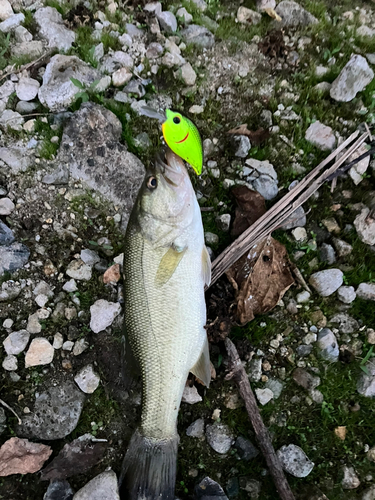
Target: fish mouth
column 171, row 168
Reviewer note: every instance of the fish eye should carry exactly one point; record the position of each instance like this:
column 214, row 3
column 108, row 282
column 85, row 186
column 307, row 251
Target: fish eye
column 176, row 120
column 152, row 182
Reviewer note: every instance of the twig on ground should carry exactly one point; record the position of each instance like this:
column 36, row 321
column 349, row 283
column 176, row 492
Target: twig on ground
column 239, row 375
column 26, row 66
column 284, row 208
column 10, row 409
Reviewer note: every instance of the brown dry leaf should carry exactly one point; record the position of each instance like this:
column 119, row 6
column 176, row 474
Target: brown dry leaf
column 273, row 44
column 250, row 206
column 257, row 137
column 75, row 458
column 20, row 456
column 272, row 13
column 261, row 277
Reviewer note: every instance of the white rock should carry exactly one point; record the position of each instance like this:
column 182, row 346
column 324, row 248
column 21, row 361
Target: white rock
column 188, row 75
column 328, row 346
column 119, row 259
column 366, row 291
column 21, row 34
column 248, row 16
column 184, row 15
column 294, row 460
column 5, row 10
column 191, row 395
column 58, row 341
column 41, row 299
column 27, row 89
column 89, row 257
column 299, row 234
column 346, row 294
column 321, row 136
column 11, row 119
column 10, row 363
column 168, row 21
column 11, row 23
column 121, row 76
column 102, row 487
column 350, row 480
column 34, row 48
column 80, row 346
column 68, row 345
column 103, row 314
column 70, row 286
column 78, row 270
column 303, row 297
column 8, row 323
column 6, row 206
column 87, row 380
column 356, row 172
column 196, row 109
column 33, row 325
column 16, row 342
column 39, row 353
column 365, row 227
column 220, row 437
column 264, row 395
column 355, row 76
column 327, row 282
column 53, row 29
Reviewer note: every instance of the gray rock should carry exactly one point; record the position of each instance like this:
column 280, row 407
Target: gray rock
column 326, row 282
column 305, row 379
column 135, row 87
column 293, row 15
column 350, row 480
column 346, row 294
column 6, row 234
column 90, row 146
column 366, row 381
column 255, row 369
column 59, row 490
column 223, row 222
column 142, row 140
column 115, row 61
column 78, row 270
column 27, row 89
column 296, row 219
column 184, row 16
column 89, row 257
column 21, row 34
column 10, row 363
column 323, row 87
column 365, row 226
column 219, row 437
column 321, row 136
column 208, row 489
column 9, row 291
column 53, row 30
column 355, row 76
column 303, row 297
column 5, row 10
column 3, row 421
column 168, row 21
column 264, row 396
column 342, row 247
column 191, row 395
column 196, row 429
column 346, row 323
column 369, row 494
column 276, row 386
column 87, row 379
column 58, row 92
column 25, row 107
column 103, row 313
column 58, row 176
column 198, row 35
column 241, row 145
column 294, row 460
column 262, row 176
column 102, row 487
column 13, row 257
column 327, row 254
column 200, row 5
column 327, row 345
column 245, row 449
column 303, row 351
column 6, row 206
column 34, row 48
column 11, row 23
column 11, row 119
column 366, row 291
column 187, row 74
column 154, row 50
column 56, row 413
column 16, row 342
column 248, row 16
column 251, row 486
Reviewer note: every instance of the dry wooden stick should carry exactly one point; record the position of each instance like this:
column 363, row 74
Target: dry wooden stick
column 10, row 409
column 276, row 216
column 25, row 66
column 238, row 374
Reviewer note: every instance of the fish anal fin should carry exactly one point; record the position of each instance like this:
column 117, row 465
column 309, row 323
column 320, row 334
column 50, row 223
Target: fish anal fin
column 202, row 368
column 168, row 265
column 206, row 266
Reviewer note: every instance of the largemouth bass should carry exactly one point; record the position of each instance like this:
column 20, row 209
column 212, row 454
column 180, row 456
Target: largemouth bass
column 166, row 266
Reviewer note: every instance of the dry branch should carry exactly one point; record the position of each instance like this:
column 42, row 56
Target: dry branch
column 239, row 375
column 284, row 208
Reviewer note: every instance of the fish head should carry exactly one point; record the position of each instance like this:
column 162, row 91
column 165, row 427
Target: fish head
column 166, row 201
column 183, row 137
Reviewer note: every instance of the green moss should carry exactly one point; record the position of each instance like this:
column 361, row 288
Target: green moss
column 84, row 45
column 47, row 149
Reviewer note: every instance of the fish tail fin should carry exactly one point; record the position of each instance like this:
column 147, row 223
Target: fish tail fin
column 149, row 469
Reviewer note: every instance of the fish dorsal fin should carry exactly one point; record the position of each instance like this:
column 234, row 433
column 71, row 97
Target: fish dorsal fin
column 168, row 265
column 206, row 266
column 202, row 368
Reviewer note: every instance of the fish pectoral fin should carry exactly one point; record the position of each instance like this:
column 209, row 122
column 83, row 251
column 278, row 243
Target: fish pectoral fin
column 168, row 265
column 206, row 266
column 202, row 368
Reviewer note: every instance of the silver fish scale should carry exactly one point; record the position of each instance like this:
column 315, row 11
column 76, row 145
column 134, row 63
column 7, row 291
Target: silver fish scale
column 164, row 326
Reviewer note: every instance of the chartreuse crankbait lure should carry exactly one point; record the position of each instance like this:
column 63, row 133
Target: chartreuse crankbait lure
column 181, row 135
